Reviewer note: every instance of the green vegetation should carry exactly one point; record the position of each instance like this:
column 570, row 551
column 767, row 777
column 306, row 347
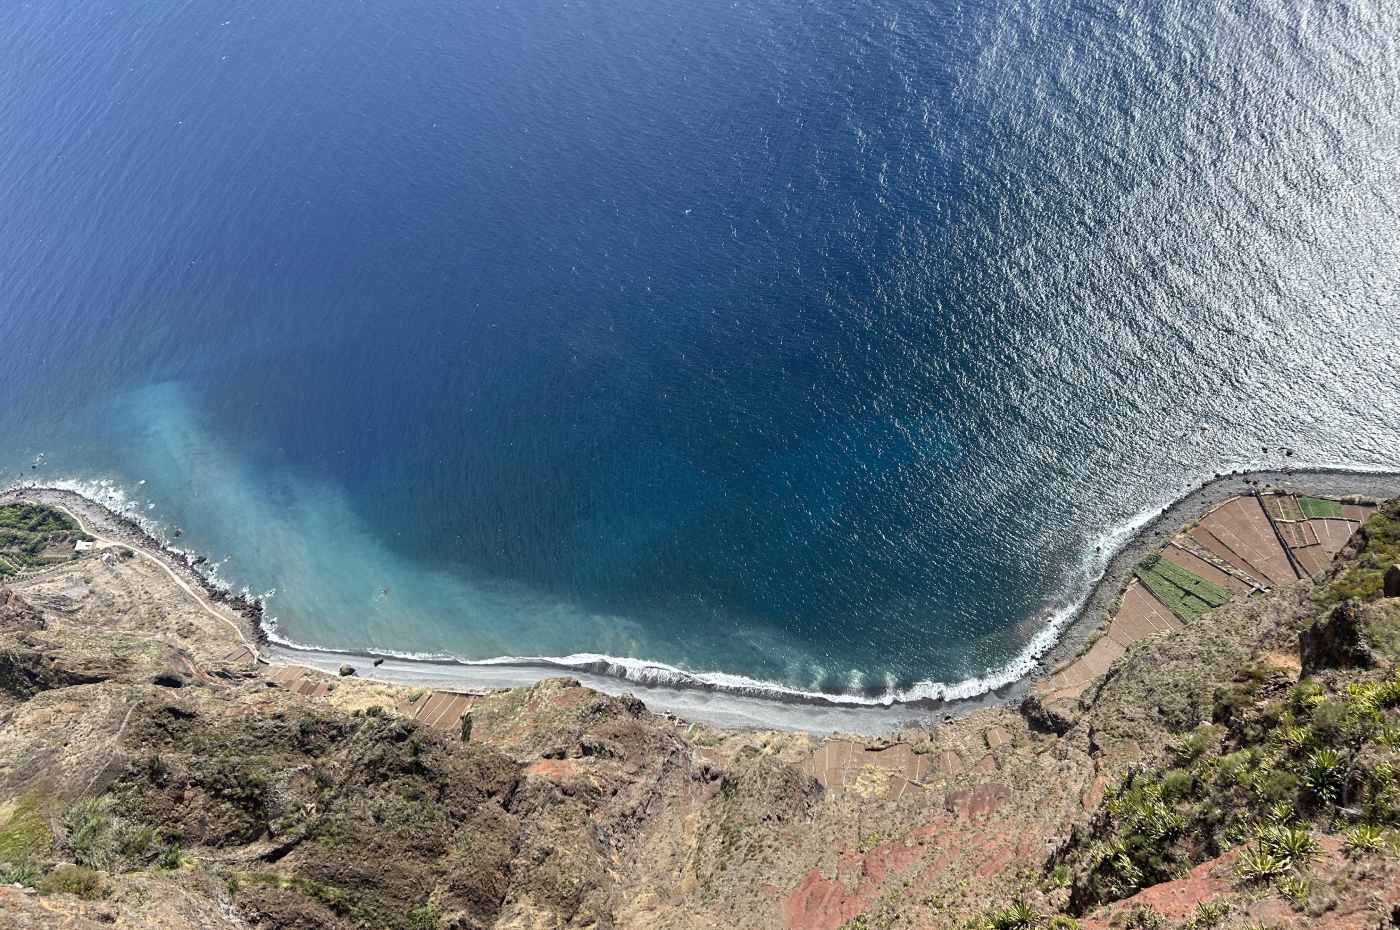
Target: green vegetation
column 1277, row 761
column 24, row 831
column 426, row 917
column 35, row 518
column 89, row 830
column 24, row 874
column 1317, row 508
column 1185, row 593
column 1379, row 549
column 26, row 532
column 1018, row 915
column 75, row 880
column 1208, row 915
column 339, row 902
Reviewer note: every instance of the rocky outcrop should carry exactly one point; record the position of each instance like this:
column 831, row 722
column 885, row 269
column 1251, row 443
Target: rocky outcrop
column 16, row 614
column 1336, row 641
column 24, row 673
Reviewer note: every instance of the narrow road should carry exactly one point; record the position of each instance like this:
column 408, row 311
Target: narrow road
column 106, row 542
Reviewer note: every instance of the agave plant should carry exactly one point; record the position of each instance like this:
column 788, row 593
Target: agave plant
column 1294, row 845
column 1257, row 864
column 1296, row 889
column 1293, row 735
column 1322, row 773
column 1018, row 915
column 1208, row 915
column 1364, row 839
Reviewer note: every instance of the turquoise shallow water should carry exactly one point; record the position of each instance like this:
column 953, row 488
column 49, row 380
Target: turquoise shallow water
column 780, row 342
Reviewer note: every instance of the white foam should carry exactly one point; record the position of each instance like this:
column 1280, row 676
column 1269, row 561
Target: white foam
column 653, row 674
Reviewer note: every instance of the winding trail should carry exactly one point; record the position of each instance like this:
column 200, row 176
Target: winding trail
column 106, row 542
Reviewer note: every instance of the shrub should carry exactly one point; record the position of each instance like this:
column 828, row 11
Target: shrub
column 89, row 831
column 425, row 917
column 21, row 873
column 170, row 857
column 1177, row 784
column 74, row 880
column 1142, row 917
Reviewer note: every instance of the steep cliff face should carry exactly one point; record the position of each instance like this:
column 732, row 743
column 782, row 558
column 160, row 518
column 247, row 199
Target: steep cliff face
column 1241, row 771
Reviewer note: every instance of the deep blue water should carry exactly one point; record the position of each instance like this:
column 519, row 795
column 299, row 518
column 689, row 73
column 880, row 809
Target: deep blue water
column 814, row 342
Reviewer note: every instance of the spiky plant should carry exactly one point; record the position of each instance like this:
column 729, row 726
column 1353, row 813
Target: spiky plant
column 1364, row 839
column 1322, row 774
column 1258, row 864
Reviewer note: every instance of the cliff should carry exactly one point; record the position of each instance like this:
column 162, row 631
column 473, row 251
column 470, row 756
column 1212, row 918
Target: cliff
column 1238, row 768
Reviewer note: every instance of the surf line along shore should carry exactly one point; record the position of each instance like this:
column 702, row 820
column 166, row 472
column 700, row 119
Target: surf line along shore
column 714, row 706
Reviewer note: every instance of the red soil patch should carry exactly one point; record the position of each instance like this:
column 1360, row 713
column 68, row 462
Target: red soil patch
column 555, row 770
column 819, row 903
column 1175, row 900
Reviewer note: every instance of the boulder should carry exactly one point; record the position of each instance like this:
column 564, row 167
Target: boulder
column 1336, row 641
column 346, row 671
column 1392, row 581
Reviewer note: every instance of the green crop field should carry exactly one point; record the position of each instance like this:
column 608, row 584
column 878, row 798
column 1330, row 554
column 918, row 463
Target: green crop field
column 1186, row 594
column 1316, row 508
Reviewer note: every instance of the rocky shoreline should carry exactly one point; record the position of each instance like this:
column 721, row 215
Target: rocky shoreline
column 126, row 529
column 714, row 704
column 1094, row 614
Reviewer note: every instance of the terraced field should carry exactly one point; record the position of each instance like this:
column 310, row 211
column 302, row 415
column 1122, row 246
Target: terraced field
column 1317, row 508
column 34, row 537
column 1183, row 592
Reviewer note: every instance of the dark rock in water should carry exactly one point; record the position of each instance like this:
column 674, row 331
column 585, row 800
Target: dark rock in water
column 1392, row 581
column 378, row 662
column 1336, row 641
column 346, row 671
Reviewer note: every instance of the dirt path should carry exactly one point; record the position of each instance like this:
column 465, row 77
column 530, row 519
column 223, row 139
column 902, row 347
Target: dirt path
column 107, row 542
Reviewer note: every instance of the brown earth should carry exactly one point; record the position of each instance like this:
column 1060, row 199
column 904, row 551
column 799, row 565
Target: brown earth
column 150, row 776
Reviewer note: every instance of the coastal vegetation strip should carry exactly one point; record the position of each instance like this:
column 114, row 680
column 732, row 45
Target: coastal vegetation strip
column 33, row 537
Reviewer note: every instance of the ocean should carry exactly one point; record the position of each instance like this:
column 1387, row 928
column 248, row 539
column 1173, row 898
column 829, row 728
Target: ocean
column 804, row 346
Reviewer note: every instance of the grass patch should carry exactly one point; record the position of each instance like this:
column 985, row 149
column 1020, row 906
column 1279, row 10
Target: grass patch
column 1317, row 508
column 338, row 901
column 24, row 830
